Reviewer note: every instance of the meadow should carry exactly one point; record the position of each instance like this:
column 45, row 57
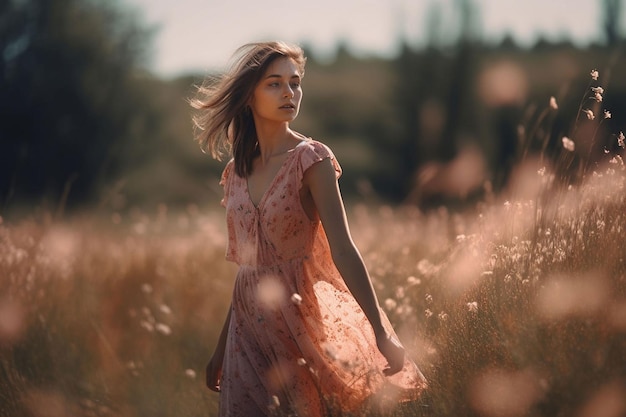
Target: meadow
column 513, row 306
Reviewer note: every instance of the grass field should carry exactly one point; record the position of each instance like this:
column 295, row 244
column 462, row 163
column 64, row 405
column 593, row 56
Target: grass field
column 513, row 307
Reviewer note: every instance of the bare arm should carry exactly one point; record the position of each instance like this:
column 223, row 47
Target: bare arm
column 322, row 183
column 214, row 367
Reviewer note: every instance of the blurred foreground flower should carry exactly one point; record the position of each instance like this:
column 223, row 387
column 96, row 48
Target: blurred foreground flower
column 565, row 296
column 12, row 321
column 608, row 401
column 499, row 393
column 270, row 292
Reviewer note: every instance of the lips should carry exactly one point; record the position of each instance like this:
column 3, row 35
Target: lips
column 287, row 106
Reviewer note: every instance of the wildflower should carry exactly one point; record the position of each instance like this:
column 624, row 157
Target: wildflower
column 597, row 97
column 390, row 304
column 400, row 292
column 443, row 316
column 275, row 403
column 163, row 329
column 568, row 144
column 597, row 90
column 607, row 114
column 190, row 373
column 413, row 280
column 133, row 368
column 165, row 309
column 620, row 140
column 553, row 104
column 429, row 298
column 147, row 325
column 589, row 114
column 594, row 74
column 472, row 307
column 428, row 313
column 296, row 299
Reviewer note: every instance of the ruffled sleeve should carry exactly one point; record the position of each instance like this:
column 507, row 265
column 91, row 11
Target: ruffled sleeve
column 313, row 153
column 226, row 180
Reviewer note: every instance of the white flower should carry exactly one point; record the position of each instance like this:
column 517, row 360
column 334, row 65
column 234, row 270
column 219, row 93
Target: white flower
column 620, row 139
column 598, row 90
column 296, row 299
column 275, row 403
column 607, row 114
column 597, row 97
column 568, row 144
column 589, row 114
column 390, row 304
column 553, row 104
column 147, row 325
column 163, row 329
column 594, row 74
column 413, row 280
column 472, row 307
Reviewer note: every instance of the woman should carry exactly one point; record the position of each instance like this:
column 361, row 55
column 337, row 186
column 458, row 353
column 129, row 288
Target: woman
column 305, row 334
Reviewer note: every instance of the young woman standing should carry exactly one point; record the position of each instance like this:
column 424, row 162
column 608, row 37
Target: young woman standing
column 305, row 334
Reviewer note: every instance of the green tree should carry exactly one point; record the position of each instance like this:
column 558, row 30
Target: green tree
column 69, row 97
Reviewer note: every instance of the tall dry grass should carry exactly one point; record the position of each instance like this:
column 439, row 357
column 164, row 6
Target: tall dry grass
column 516, row 307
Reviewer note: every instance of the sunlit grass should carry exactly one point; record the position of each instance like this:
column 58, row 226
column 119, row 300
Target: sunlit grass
column 514, row 307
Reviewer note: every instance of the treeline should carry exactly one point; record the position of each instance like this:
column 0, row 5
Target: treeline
column 73, row 97
column 83, row 124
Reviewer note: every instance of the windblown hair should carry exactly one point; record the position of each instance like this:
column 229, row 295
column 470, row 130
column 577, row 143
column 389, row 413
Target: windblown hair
column 224, row 121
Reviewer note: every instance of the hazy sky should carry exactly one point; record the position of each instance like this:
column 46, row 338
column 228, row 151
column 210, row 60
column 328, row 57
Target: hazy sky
column 202, row 34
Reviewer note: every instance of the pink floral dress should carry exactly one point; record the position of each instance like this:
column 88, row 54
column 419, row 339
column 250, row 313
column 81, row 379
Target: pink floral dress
column 298, row 342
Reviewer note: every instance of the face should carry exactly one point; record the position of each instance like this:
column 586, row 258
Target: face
column 276, row 98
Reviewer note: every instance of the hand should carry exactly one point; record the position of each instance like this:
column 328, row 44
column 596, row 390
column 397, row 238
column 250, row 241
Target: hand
column 214, row 374
column 393, row 351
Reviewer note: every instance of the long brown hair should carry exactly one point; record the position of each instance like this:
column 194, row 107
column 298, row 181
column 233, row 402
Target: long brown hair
column 224, row 120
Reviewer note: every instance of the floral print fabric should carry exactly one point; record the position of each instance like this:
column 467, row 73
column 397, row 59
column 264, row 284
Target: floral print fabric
column 298, row 342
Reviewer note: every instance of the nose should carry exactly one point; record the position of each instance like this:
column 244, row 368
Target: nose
column 288, row 93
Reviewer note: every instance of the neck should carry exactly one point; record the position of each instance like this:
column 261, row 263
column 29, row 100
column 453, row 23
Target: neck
column 273, row 140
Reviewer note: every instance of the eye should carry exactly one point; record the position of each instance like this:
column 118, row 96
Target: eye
column 295, row 85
